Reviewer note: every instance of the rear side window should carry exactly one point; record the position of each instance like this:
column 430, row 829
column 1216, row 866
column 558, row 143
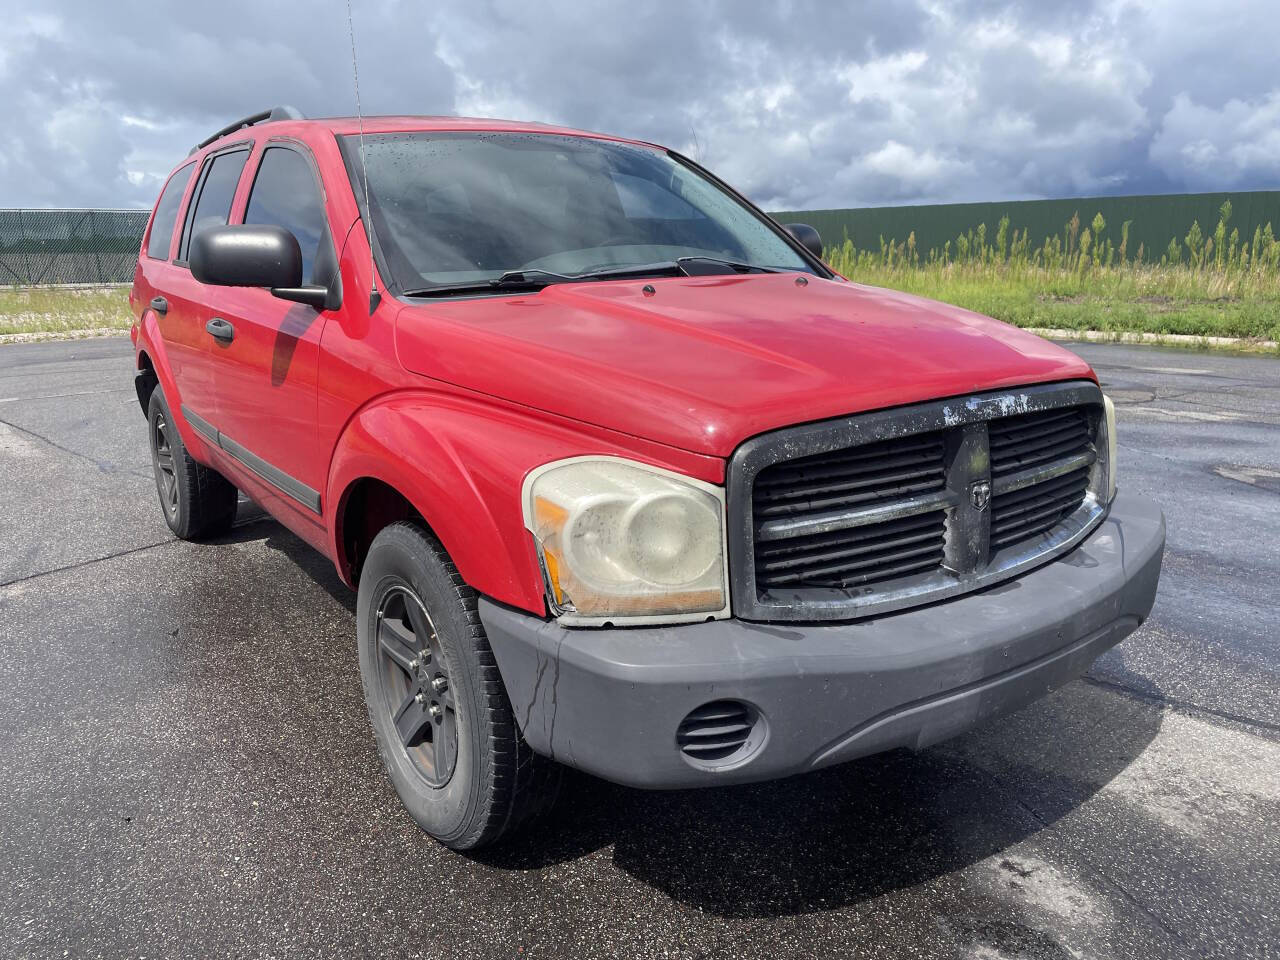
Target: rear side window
column 211, row 205
column 285, row 195
column 166, row 216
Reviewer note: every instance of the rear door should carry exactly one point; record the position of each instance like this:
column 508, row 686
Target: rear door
column 266, row 372
column 190, row 304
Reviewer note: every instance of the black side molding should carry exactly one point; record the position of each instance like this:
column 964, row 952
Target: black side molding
column 201, row 425
column 268, row 472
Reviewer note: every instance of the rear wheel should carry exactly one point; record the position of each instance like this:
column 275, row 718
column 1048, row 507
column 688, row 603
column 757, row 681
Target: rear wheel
column 197, row 500
column 439, row 711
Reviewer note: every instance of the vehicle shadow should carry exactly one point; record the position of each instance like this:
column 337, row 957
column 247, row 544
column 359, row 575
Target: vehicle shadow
column 253, row 523
column 851, row 833
column 840, row 836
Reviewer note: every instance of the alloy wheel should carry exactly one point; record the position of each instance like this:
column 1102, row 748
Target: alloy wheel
column 415, row 685
column 162, row 457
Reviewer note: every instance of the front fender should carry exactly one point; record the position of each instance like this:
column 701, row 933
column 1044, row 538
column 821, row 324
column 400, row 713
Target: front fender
column 460, row 460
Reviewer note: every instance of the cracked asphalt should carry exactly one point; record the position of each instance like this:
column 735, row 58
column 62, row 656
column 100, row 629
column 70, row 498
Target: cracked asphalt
column 186, row 766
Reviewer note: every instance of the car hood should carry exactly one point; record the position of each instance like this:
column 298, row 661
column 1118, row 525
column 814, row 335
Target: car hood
column 703, row 363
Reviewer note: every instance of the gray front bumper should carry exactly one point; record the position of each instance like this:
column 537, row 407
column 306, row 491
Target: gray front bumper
column 609, row 701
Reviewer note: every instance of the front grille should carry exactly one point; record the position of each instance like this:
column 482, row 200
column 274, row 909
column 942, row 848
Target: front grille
column 1034, row 439
column 885, row 510
column 862, row 555
column 792, row 493
column 856, row 476
column 1032, row 511
column 1033, row 442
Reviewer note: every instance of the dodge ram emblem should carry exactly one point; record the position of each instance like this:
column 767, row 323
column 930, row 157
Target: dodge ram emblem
column 980, row 494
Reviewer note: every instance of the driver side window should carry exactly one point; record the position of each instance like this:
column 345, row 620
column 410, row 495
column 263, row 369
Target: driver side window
column 285, row 194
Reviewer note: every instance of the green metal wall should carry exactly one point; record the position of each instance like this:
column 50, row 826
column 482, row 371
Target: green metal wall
column 1156, row 219
column 101, row 246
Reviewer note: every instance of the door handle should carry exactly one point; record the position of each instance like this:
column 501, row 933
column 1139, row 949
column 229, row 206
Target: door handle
column 160, row 305
column 220, row 330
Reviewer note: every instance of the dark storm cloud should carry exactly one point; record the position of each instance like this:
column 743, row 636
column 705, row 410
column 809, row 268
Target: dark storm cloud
column 800, row 103
column 102, row 99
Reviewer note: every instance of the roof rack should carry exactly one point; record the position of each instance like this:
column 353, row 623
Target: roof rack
column 265, row 116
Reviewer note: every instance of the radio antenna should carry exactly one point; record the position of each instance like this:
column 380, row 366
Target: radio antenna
column 374, row 296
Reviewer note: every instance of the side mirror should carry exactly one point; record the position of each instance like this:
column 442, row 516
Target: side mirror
column 807, row 236
column 246, row 256
column 254, row 255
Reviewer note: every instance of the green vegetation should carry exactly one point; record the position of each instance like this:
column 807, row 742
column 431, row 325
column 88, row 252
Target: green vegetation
column 29, row 312
column 1214, row 284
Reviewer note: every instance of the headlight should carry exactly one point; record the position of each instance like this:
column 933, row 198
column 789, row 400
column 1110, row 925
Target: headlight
column 622, row 541
column 1111, row 447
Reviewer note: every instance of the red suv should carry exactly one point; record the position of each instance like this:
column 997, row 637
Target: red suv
column 624, row 476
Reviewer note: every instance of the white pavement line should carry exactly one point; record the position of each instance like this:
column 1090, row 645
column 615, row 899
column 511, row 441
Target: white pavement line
column 1214, row 786
column 1202, row 416
column 1197, row 776
column 1244, row 474
column 14, row 442
column 59, row 396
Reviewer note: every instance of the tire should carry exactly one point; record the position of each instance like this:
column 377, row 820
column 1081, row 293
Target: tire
column 197, row 501
column 453, row 750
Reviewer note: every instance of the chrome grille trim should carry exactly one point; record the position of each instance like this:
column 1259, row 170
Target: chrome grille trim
column 860, row 517
column 1034, row 475
column 1037, row 460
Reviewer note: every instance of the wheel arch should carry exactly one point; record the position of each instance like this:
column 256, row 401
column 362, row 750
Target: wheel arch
column 368, row 505
column 414, row 457
column 151, row 368
column 145, row 379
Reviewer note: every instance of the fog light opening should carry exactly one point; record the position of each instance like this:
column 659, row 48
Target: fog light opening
column 721, row 734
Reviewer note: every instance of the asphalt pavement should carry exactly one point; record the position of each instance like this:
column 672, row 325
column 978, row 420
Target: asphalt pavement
column 187, row 768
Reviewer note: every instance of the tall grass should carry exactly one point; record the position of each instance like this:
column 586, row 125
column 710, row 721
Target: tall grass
column 1085, row 277
column 62, row 311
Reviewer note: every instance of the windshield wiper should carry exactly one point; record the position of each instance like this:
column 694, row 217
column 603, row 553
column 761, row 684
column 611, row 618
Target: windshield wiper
column 681, row 266
column 532, row 275
column 534, row 279
column 633, row 270
column 511, row 280
column 735, row 265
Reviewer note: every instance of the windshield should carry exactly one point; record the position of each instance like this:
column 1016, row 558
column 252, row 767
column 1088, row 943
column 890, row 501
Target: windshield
column 463, row 208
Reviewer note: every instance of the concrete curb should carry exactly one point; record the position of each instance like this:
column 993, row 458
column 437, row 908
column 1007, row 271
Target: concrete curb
column 40, row 336
column 1159, row 339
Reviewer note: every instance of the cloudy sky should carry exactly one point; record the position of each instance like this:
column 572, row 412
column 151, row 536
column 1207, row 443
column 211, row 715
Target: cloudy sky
column 799, row 104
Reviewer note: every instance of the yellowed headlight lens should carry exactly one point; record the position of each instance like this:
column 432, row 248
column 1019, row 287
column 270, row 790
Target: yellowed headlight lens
column 621, row 540
column 1111, row 447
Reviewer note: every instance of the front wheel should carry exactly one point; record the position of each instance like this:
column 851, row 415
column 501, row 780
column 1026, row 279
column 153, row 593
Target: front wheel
column 439, row 711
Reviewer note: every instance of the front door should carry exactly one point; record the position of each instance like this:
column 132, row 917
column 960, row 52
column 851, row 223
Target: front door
column 264, row 363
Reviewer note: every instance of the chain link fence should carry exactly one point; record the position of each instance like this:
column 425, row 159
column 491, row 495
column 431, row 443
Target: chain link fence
column 69, row 246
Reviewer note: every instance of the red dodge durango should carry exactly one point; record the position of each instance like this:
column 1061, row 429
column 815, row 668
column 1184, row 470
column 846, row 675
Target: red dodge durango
column 624, row 477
